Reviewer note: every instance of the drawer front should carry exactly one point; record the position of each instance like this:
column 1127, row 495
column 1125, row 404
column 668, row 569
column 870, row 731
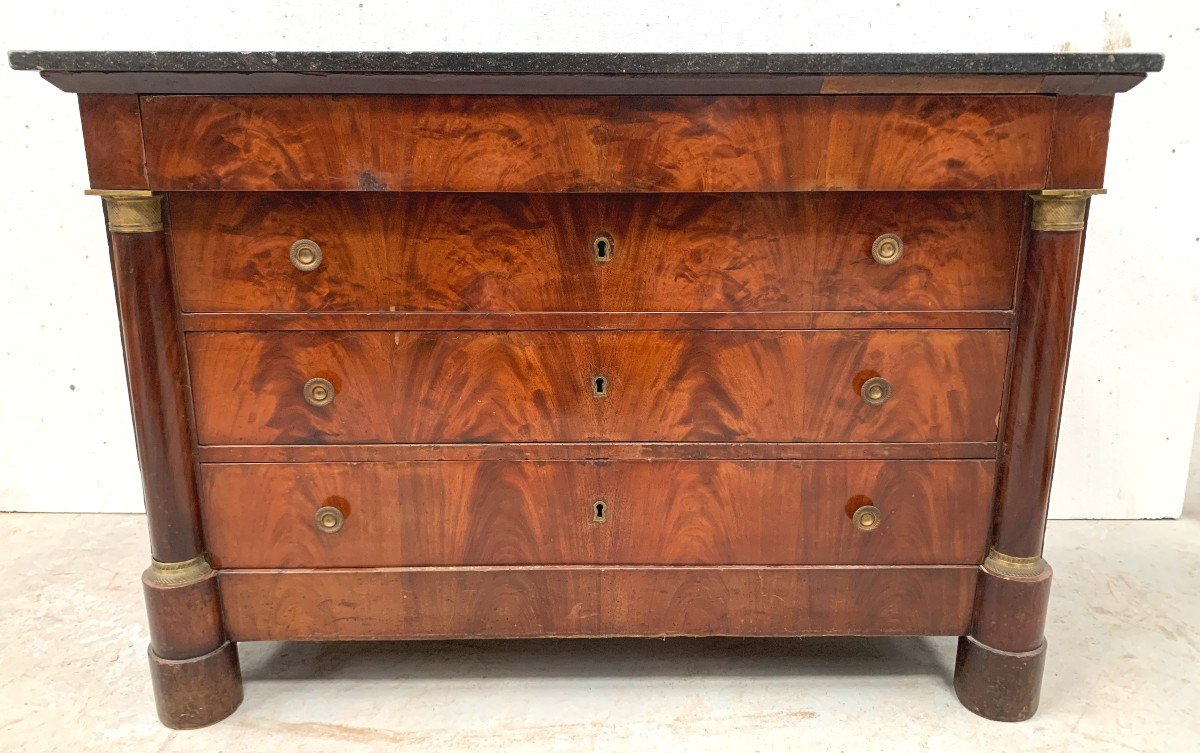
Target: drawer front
column 667, row 252
column 596, row 144
column 416, row 387
column 573, row 601
column 651, row 513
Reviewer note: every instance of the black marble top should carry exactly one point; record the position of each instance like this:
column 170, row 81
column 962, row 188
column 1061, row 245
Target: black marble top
column 526, row 63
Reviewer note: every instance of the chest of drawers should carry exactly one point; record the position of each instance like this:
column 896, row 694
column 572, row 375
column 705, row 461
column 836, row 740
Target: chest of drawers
column 452, row 346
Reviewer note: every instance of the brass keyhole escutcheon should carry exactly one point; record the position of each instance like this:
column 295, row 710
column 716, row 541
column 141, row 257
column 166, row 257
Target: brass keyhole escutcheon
column 602, row 247
column 305, row 255
column 330, row 520
column 599, row 511
column 887, row 248
column 876, row 391
column 867, row 518
column 599, row 386
column 318, row 392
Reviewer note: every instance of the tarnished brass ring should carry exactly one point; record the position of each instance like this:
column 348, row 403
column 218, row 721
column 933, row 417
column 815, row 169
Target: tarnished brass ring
column 330, row 520
column 1008, row 566
column 876, row 391
column 178, row 573
column 887, row 248
column 867, row 518
column 305, row 255
column 318, row 392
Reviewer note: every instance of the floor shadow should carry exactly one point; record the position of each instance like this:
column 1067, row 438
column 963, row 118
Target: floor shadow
column 599, row 658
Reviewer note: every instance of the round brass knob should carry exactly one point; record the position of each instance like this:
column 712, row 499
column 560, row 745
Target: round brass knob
column 887, row 248
column 305, row 255
column 318, row 392
column 330, row 520
column 876, row 391
column 867, row 518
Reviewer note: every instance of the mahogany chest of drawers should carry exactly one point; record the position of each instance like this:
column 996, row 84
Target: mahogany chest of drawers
column 451, row 346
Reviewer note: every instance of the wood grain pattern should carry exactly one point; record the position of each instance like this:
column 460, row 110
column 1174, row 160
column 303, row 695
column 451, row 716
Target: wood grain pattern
column 1080, row 147
column 112, row 140
column 582, row 601
column 672, row 252
column 558, row 321
column 542, row 513
column 364, row 453
column 535, row 386
column 596, row 144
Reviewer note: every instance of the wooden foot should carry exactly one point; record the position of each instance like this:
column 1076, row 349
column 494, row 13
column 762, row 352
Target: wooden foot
column 998, row 673
column 197, row 680
column 193, row 693
column 998, row 685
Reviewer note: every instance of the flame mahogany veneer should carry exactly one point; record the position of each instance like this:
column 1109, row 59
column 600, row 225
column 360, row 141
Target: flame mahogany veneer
column 629, row 362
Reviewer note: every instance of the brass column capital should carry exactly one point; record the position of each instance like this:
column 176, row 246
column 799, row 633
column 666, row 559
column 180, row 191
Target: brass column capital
column 1061, row 210
column 131, row 211
column 1007, row 566
column 177, row 573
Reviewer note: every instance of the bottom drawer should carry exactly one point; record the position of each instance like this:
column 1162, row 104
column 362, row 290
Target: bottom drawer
column 634, row 512
column 536, row 602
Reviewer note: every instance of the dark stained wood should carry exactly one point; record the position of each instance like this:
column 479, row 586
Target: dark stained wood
column 1034, row 403
column 154, row 82
column 1080, row 146
column 589, row 601
column 195, row 693
column 534, row 386
column 599, row 320
column 158, row 390
column 449, row 252
column 656, row 513
column 1070, row 84
column 112, row 139
column 998, row 685
column 185, row 620
column 1075, row 85
column 358, row 453
column 1010, row 613
column 597, row 144
column 891, row 83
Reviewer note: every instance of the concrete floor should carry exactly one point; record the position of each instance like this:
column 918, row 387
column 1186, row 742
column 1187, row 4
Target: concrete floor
column 1122, row 670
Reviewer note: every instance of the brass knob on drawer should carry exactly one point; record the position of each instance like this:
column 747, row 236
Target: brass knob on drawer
column 318, row 392
column 867, row 518
column 887, row 248
column 330, row 520
column 305, row 255
column 876, row 391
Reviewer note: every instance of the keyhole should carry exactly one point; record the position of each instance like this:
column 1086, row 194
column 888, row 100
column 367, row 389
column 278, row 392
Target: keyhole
column 599, row 386
column 599, row 512
column 603, row 246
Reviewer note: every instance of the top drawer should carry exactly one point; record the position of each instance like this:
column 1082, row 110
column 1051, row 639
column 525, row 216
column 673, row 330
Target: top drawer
column 596, row 144
column 459, row 252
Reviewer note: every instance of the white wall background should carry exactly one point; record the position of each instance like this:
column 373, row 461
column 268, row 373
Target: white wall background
column 65, row 436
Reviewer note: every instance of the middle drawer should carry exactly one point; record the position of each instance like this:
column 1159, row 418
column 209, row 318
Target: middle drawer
column 652, row 386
